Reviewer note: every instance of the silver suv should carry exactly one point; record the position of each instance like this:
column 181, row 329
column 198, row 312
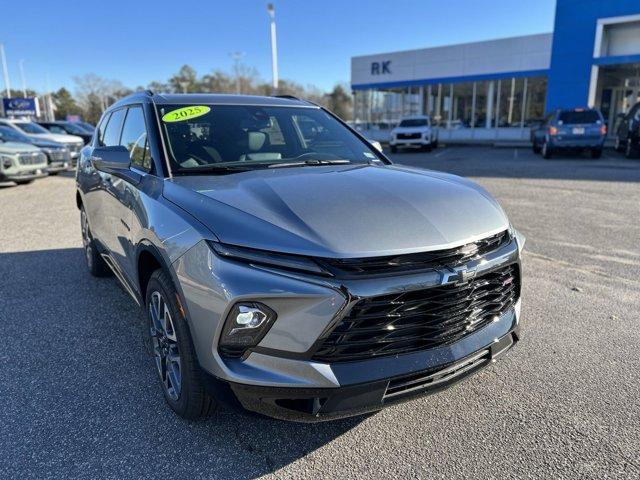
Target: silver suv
column 285, row 265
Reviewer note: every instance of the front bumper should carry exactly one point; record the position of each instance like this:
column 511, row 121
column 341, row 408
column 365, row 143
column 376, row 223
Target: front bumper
column 411, row 142
column 59, row 166
column 321, row 404
column 279, row 377
column 576, row 142
column 24, row 175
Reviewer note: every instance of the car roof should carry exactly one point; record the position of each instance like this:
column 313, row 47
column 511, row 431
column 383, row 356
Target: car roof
column 212, row 98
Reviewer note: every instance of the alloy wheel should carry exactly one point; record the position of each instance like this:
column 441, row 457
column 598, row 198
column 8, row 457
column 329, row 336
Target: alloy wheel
column 165, row 345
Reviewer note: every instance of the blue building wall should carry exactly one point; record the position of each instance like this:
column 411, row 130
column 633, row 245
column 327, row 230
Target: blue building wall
column 572, row 49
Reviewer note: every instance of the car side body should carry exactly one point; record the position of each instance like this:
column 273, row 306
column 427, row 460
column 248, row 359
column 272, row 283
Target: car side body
column 628, row 133
column 354, row 272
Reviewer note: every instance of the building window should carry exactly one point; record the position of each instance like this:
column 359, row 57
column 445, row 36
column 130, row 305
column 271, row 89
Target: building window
column 535, row 100
column 510, row 102
column 462, row 105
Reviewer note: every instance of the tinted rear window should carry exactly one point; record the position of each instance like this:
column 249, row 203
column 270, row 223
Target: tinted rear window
column 570, row 118
column 414, row 122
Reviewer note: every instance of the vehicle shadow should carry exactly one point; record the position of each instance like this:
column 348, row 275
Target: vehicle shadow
column 474, row 161
column 82, row 397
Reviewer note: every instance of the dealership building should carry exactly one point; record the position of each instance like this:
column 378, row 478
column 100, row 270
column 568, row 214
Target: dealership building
column 495, row 90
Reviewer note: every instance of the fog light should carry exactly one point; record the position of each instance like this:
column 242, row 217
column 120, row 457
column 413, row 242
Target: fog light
column 248, row 317
column 245, row 325
column 7, row 162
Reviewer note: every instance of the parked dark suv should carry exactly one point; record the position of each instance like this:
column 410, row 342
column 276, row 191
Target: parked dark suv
column 68, row 128
column 628, row 133
column 285, row 264
column 570, row 130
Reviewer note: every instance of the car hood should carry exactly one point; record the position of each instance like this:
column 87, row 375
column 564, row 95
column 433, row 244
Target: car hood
column 339, row 211
column 17, row 147
column 56, row 137
column 42, row 143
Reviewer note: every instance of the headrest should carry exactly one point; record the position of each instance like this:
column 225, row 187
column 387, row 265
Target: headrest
column 256, row 140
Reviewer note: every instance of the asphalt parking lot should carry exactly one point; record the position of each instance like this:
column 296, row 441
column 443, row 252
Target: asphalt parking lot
column 80, row 398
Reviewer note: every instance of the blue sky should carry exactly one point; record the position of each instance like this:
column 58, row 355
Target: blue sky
column 137, row 41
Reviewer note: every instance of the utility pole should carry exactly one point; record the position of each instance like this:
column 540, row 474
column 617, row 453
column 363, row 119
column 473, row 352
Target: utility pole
column 24, row 83
column 274, row 48
column 237, row 56
column 5, row 71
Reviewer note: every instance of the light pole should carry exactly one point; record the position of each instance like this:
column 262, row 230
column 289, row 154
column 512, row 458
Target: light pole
column 5, row 71
column 274, row 48
column 24, row 83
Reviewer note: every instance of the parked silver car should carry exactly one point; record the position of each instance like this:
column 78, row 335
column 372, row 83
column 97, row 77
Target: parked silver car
column 288, row 267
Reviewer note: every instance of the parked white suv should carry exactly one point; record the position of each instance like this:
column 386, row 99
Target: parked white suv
column 35, row 131
column 416, row 132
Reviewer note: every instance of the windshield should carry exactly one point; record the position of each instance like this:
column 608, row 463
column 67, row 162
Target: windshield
column 74, row 129
column 31, row 127
column 572, row 118
column 209, row 137
column 10, row 135
column 414, row 122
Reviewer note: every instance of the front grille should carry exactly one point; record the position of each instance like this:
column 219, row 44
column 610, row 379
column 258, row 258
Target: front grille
column 408, row 136
column 397, row 264
column 74, row 147
column 30, row 158
column 419, row 320
column 58, row 155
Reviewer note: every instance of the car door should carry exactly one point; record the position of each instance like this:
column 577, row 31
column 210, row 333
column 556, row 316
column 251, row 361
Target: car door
column 106, row 208
column 134, row 139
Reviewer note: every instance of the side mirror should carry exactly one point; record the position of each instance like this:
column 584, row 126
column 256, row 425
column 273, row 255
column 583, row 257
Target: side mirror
column 107, row 159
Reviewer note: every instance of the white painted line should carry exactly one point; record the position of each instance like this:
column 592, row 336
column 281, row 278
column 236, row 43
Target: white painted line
column 444, row 150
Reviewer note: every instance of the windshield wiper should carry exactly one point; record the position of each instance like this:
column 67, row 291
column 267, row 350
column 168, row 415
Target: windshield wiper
column 214, row 169
column 309, row 163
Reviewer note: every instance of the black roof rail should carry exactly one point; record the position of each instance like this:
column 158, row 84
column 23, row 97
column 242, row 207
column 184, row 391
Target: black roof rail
column 149, row 92
column 291, row 97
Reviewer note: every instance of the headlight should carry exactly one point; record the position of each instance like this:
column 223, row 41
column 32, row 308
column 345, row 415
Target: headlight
column 270, row 259
column 245, row 325
column 7, row 162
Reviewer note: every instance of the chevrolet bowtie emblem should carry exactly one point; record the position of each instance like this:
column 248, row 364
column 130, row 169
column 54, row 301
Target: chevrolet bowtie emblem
column 458, row 275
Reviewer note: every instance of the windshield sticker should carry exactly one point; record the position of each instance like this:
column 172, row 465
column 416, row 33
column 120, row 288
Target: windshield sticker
column 369, row 155
column 185, row 113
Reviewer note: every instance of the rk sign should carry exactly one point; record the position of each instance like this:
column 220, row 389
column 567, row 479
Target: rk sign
column 380, row 68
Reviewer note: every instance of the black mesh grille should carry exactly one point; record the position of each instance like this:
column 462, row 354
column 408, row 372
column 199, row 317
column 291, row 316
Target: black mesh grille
column 419, row 320
column 354, row 267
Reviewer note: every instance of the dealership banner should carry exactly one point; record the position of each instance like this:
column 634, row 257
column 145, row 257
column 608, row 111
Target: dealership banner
column 19, row 106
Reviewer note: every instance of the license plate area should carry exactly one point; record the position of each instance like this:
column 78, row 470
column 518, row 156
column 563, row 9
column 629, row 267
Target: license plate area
column 577, row 130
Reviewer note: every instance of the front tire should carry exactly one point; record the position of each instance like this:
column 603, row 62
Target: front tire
column 536, row 148
column 173, row 351
column 23, row 182
column 95, row 263
column 546, row 150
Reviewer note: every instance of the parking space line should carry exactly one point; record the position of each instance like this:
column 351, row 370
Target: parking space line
column 444, row 150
